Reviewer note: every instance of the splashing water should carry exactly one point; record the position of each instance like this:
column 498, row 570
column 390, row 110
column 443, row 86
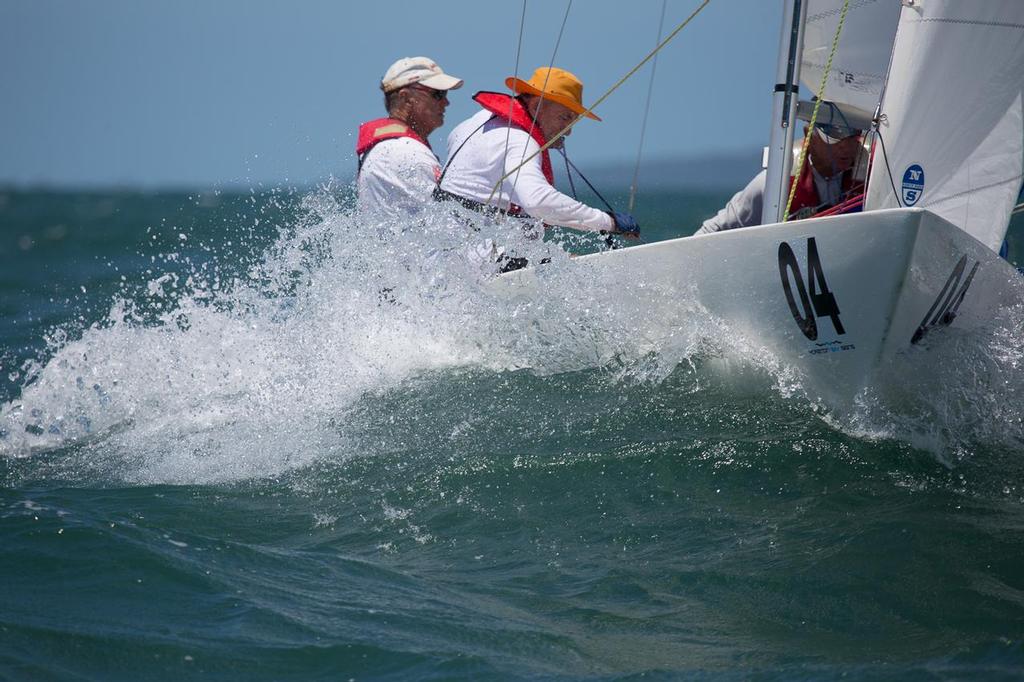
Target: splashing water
column 233, row 380
column 955, row 392
column 230, row 378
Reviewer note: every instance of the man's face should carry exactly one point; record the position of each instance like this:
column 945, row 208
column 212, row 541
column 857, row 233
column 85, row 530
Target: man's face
column 551, row 118
column 428, row 106
column 832, row 159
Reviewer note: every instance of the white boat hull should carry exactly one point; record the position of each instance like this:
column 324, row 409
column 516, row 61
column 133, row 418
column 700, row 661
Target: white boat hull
column 839, row 298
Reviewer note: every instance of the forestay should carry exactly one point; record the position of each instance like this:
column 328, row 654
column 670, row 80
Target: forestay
column 952, row 115
column 862, row 58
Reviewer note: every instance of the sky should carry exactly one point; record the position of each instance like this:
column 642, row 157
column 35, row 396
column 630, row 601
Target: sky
column 198, row 93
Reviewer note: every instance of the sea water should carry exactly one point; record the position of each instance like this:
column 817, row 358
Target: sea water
column 252, row 436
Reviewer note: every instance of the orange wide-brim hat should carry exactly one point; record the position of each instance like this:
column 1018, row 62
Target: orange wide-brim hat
column 554, row 85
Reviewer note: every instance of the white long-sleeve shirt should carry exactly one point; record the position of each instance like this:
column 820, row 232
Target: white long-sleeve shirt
column 478, row 166
column 744, row 209
column 398, row 177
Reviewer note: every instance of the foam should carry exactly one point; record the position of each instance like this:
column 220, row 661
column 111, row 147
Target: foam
column 201, row 377
column 204, row 377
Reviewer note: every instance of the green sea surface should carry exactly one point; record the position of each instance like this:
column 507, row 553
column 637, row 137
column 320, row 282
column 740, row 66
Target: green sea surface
column 246, row 436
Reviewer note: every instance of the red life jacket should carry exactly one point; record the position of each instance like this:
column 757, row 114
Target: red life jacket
column 378, row 130
column 508, row 108
column 806, row 201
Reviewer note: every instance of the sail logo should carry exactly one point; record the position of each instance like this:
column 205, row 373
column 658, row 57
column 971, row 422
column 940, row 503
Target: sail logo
column 913, row 184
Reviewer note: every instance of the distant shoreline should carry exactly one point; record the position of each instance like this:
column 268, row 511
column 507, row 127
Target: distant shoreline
column 710, row 172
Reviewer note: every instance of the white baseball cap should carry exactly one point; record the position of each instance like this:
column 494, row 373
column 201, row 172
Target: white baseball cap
column 422, row 70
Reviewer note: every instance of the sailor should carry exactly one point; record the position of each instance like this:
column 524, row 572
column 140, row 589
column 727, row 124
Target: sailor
column 508, row 130
column 397, row 168
column 834, row 171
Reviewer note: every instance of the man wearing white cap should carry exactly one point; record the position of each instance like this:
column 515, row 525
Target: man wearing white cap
column 833, row 172
column 397, row 168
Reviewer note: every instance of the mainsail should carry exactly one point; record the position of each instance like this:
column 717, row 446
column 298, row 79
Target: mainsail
column 952, row 124
column 859, row 65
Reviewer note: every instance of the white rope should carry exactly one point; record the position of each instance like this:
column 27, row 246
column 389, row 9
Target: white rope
column 647, row 110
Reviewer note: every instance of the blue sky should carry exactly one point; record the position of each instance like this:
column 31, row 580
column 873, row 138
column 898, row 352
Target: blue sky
column 244, row 92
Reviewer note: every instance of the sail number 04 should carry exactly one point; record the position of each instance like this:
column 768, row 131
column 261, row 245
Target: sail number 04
column 815, row 299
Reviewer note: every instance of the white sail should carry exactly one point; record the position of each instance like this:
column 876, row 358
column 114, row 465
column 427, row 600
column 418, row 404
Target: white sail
column 859, row 66
column 952, row 125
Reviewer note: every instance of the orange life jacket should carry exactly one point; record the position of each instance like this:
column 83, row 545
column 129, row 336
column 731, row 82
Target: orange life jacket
column 380, row 129
column 806, row 201
column 508, row 108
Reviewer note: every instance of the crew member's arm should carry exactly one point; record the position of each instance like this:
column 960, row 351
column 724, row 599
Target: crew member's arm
column 743, row 210
column 532, row 192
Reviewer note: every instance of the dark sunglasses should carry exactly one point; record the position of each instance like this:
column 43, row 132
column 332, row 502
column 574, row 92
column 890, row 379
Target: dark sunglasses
column 838, row 132
column 436, row 94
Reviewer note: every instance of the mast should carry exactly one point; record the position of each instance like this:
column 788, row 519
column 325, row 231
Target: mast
column 784, row 101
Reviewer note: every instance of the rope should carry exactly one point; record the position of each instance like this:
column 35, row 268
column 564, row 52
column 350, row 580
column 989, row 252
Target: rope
column 817, row 105
column 647, row 109
column 601, row 99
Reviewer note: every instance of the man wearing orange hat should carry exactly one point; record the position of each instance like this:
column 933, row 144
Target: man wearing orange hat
column 397, row 168
column 495, row 141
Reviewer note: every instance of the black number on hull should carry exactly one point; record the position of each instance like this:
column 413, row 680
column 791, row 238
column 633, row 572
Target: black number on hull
column 824, row 302
column 787, row 265
column 820, row 302
column 947, row 304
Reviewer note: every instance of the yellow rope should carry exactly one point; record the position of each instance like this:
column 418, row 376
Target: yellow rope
column 814, row 113
column 602, row 98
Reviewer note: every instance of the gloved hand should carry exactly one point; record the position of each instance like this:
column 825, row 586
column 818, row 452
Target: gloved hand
column 626, row 224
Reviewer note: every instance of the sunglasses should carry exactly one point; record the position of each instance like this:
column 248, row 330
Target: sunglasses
column 837, row 132
column 436, row 94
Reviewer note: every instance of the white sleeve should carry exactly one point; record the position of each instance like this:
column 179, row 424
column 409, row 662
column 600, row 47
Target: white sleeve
column 536, row 196
column 743, row 210
column 398, row 174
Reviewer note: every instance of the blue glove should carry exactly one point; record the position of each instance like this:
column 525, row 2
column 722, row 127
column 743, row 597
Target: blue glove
column 624, row 222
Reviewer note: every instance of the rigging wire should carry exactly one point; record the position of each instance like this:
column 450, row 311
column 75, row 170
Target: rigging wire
column 647, row 110
column 569, row 164
column 817, row 105
column 609, row 241
column 568, row 173
column 888, row 169
column 879, row 118
column 511, row 103
column 540, row 105
column 603, row 97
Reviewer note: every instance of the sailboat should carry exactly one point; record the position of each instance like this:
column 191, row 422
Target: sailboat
column 844, row 299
